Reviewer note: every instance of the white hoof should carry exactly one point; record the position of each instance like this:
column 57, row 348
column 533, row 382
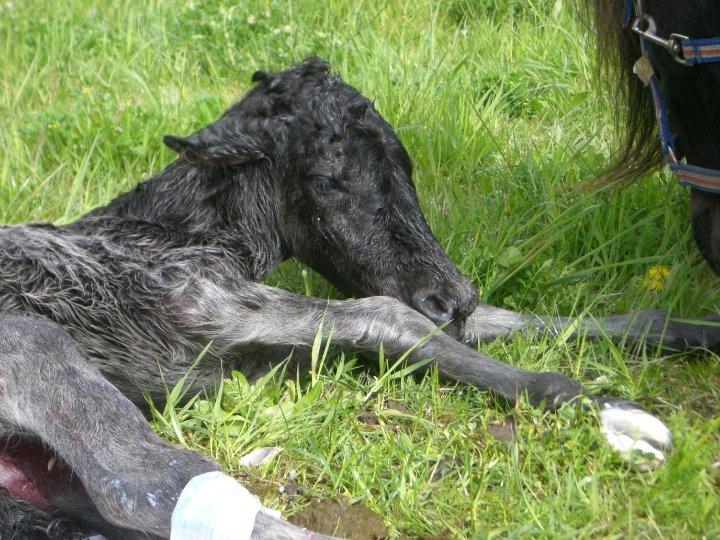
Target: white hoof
column 638, row 436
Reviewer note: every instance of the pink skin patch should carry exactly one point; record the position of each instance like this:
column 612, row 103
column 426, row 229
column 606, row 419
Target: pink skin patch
column 31, row 472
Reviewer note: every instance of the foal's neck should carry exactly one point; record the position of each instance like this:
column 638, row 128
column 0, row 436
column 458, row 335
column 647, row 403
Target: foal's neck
column 196, row 205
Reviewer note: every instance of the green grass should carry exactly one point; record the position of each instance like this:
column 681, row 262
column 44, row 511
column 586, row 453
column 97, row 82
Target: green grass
column 495, row 102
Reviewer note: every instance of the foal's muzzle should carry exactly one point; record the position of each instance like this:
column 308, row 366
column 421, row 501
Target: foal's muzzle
column 453, row 301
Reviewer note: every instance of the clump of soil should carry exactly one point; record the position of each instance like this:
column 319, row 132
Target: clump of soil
column 368, row 418
column 338, row 518
column 444, row 466
column 503, row 431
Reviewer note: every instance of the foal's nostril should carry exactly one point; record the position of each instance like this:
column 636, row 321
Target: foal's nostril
column 439, row 304
column 435, row 306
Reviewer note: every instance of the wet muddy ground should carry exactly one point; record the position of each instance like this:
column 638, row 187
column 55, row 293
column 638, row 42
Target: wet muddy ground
column 337, row 517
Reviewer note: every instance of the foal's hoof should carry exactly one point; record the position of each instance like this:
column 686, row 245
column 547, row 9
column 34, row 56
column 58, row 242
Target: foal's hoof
column 638, row 436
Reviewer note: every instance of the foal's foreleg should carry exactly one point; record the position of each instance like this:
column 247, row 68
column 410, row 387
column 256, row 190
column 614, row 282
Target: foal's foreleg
column 260, row 315
column 257, row 315
column 656, row 328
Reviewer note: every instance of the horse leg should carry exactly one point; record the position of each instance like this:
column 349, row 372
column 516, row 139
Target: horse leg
column 257, row 315
column 41, row 497
column 127, row 475
column 655, row 328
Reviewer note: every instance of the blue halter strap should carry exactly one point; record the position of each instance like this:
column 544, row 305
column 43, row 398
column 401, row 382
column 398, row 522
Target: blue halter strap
column 686, row 51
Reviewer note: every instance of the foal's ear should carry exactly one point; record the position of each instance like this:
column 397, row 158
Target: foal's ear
column 178, row 144
column 226, row 141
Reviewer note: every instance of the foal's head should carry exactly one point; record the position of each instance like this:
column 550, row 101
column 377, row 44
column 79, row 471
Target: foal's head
column 340, row 183
column 692, row 93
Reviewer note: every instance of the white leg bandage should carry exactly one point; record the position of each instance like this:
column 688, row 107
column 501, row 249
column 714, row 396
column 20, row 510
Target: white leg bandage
column 214, row 506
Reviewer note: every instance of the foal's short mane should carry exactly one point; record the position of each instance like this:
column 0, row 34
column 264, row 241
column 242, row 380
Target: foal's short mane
column 617, row 51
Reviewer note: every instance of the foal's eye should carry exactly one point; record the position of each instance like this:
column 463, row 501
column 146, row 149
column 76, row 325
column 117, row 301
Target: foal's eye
column 324, row 184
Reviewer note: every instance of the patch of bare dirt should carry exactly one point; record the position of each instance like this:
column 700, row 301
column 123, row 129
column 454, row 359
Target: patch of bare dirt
column 444, row 466
column 336, row 517
column 397, row 406
column 367, row 418
column 503, row 431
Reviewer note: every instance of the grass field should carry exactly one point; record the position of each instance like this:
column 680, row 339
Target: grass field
column 495, row 101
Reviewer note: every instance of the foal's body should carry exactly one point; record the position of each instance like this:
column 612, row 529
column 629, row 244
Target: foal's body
column 104, row 309
column 96, row 313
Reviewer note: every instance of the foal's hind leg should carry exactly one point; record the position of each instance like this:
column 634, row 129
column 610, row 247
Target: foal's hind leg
column 42, row 498
column 655, row 328
column 50, row 392
column 256, row 315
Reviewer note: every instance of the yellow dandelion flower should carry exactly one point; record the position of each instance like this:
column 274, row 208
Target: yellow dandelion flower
column 656, row 276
